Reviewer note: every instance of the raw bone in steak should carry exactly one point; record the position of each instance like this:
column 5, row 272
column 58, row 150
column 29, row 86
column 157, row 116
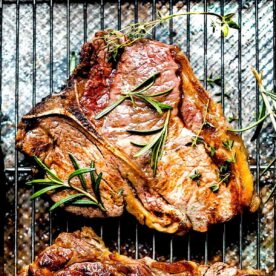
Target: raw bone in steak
column 84, row 253
column 171, row 201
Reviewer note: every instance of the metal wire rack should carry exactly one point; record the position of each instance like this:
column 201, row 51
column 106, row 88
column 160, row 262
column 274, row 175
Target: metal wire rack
column 33, row 64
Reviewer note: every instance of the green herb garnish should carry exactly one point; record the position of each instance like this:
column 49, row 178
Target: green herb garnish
column 139, row 92
column 212, row 151
column 268, row 104
column 196, row 176
column 215, row 187
column 82, row 197
column 117, row 40
column 224, row 171
column 156, row 144
column 228, row 144
column 268, row 166
column 273, row 189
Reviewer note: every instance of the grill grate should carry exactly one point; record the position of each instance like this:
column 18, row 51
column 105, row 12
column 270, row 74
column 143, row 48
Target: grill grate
column 124, row 234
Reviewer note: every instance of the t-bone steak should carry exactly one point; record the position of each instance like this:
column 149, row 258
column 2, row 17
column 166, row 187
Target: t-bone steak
column 198, row 141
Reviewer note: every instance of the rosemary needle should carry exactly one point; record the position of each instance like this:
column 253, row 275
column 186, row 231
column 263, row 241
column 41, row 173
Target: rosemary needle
column 53, row 182
column 138, row 92
column 156, row 144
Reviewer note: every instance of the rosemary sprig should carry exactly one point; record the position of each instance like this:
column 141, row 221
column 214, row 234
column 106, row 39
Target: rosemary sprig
column 156, row 144
column 269, row 106
column 116, row 40
column 268, row 167
column 264, row 93
column 82, row 197
column 138, row 92
column 272, row 192
column 265, row 106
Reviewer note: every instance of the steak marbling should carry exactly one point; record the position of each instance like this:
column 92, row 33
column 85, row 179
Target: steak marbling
column 84, row 253
column 170, row 201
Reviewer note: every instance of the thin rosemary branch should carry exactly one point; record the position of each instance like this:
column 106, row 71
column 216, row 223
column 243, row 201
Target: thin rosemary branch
column 259, row 79
column 116, row 40
column 274, row 187
column 138, row 92
column 267, row 106
column 156, row 144
column 268, row 167
column 53, row 182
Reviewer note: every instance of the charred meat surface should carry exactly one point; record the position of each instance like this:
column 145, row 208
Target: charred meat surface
column 202, row 177
column 84, row 253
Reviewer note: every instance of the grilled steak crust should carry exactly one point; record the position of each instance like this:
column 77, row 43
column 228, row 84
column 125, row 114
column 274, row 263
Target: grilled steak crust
column 84, row 253
column 171, row 201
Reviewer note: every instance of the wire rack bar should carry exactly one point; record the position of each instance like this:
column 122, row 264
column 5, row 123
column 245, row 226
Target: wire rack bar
column 240, row 112
column 171, row 42
column 274, row 89
column 119, row 14
column 258, row 140
column 223, row 105
column 29, row 169
column 68, row 24
column 85, row 21
column 153, row 36
column 205, row 85
column 51, row 46
column 102, row 14
column 16, row 124
column 51, row 88
column 136, row 18
column 135, row 11
column 188, row 52
column 33, row 104
column 3, row 195
column 68, row 36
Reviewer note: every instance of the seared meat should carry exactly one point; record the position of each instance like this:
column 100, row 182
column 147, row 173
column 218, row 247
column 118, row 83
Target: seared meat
column 172, row 201
column 84, row 253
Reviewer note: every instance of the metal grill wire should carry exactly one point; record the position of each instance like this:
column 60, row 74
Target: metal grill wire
column 138, row 231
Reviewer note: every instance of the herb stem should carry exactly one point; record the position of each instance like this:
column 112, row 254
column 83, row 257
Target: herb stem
column 193, row 13
column 271, row 193
column 54, row 182
column 258, row 77
column 250, row 126
column 81, row 191
column 268, row 167
column 138, row 92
